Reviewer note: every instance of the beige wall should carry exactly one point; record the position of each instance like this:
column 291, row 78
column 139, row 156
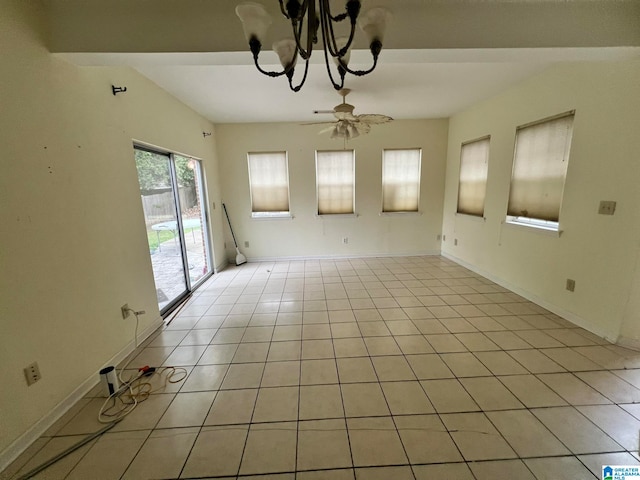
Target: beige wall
column 598, row 252
column 73, row 243
column 309, row 235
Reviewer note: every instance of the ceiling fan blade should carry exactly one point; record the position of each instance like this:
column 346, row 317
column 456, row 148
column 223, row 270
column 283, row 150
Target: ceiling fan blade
column 332, row 128
column 361, row 127
column 317, row 123
column 373, row 118
column 323, row 111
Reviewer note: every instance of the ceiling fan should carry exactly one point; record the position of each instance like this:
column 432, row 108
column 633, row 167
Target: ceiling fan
column 347, row 125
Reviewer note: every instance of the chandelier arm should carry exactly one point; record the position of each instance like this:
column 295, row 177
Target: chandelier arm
column 304, row 78
column 375, row 49
column 328, row 34
column 282, row 9
column 297, row 24
column 337, row 86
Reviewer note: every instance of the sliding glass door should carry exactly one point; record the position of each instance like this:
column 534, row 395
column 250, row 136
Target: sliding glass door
column 171, row 189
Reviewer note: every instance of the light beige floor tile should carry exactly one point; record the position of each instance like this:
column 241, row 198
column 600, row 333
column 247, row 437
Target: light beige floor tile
column 374, row 329
column 512, row 322
column 280, row 351
column 110, row 456
column 363, row 400
column 316, row 331
column 476, row 342
column 415, row 311
column 430, row 327
column 500, row 363
column 257, row 334
column 199, row 337
column 163, row 454
column 232, row 407
column 445, row 343
column 618, row 424
column 572, row 361
column 449, row 471
column 323, row 444
column 526, row 434
column 243, row 375
column 443, row 312
column 561, row 468
column 468, row 311
column 349, row 347
column 316, row 349
column 402, row 327
column 485, row 324
column 280, row 374
column 531, row 391
column 146, row 414
column 345, row 330
column 357, row 369
column 342, row 316
column 51, row 448
column 448, row 396
column 394, row 315
column 204, row 377
column 320, row 402
column 595, row 462
column 426, row 439
column 384, row 473
column 16, row 465
column 382, row 346
column 287, row 332
column 535, row 362
column 413, row 344
column 458, row 325
column 343, row 474
column 168, row 338
column 538, row 339
column 429, row 366
column 278, row 404
column 575, row 431
column 602, row 356
column 187, row 410
column 572, row 389
column 476, row 437
column 270, row 447
column 85, row 421
column 464, row 365
column 392, row 368
column 492, row 470
column 570, row 337
column 507, row 340
column 290, row 314
column 218, row 354
column 316, row 372
column 216, row 451
column 406, row 398
column 375, row 441
column 611, row 386
column 228, row 335
column 490, row 394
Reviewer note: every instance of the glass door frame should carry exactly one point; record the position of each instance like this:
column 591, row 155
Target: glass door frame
column 175, row 190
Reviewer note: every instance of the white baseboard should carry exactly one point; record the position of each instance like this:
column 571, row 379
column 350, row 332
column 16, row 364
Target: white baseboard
column 567, row 315
column 341, row 257
column 12, row 452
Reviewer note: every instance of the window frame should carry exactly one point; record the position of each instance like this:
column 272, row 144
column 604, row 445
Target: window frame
column 487, row 139
column 419, row 182
column 531, row 222
column 353, row 213
column 269, row 214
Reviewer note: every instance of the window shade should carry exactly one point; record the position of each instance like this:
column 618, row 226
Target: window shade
column 472, row 187
column 539, row 168
column 401, row 180
column 269, row 182
column 335, row 181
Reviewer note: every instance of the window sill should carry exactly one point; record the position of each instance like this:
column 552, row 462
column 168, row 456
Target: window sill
column 272, row 216
column 336, row 215
column 393, row 214
column 539, row 229
column 473, row 218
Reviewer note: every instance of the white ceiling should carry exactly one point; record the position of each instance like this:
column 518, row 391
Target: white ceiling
column 422, row 73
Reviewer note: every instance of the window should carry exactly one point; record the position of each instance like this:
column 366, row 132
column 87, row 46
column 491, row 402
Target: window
column 335, row 182
column 539, row 170
column 401, row 180
column 269, row 184
column 474, row 161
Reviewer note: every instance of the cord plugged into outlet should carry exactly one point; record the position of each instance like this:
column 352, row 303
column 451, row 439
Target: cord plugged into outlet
column 126, row 311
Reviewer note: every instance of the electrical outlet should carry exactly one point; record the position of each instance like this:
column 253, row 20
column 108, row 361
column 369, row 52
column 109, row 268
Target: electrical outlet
column 439, row 237
column 345, row 240
column 246, row 244
column 32, row 373
column 571, row 285
column 455, row 241
column 125, row 311
column 444, row 238
column 607, row 207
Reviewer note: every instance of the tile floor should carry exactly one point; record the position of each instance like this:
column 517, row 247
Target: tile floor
column 363, row 369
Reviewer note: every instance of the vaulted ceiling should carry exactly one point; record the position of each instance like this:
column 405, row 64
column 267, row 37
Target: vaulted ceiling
column 439, row 56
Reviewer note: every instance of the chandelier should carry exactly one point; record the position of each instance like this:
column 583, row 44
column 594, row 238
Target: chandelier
column 311, row 17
